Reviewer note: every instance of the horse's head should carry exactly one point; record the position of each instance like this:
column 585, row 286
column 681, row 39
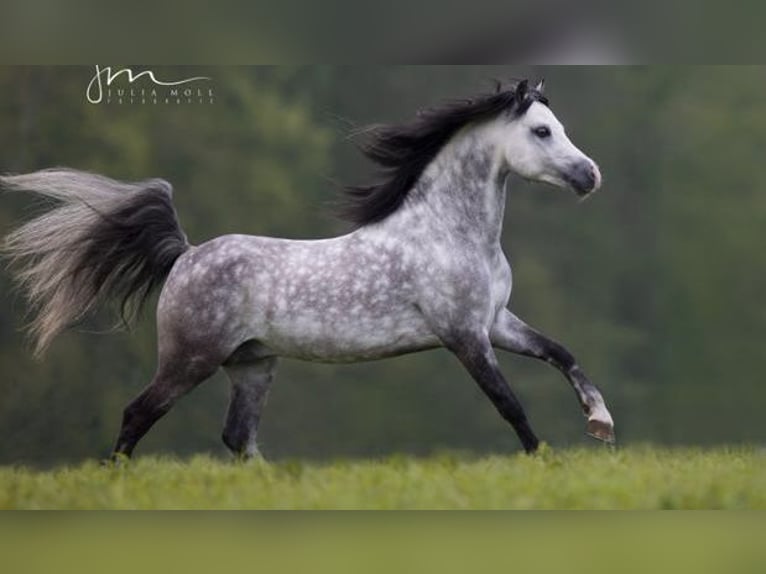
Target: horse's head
column 536, row 147
column 514, row 126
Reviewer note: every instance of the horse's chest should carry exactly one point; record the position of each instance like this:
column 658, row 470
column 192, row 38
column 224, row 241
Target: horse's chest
column 501, row 282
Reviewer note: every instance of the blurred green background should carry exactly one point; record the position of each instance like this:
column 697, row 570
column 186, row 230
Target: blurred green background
column 655, row 283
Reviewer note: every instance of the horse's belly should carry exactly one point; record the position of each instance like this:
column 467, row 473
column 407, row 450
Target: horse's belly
column 348, row 338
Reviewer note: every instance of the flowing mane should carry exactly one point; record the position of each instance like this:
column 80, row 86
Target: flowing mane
column 404, row 151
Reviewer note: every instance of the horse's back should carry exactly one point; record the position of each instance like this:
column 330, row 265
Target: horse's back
column 327, row 300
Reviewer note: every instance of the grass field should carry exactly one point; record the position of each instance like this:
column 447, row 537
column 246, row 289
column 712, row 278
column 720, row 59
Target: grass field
column 593, row 478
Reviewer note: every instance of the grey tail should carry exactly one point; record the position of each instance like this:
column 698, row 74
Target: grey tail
column 104, row 239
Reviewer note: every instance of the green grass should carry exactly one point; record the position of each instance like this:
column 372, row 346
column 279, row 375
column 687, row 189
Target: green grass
column 633, row 477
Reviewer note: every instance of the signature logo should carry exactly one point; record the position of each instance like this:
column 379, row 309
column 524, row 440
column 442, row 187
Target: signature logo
column 107, row 76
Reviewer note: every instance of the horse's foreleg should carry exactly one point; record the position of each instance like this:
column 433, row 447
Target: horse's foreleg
column 250, row 383
column 511, row 334
column 477, row 356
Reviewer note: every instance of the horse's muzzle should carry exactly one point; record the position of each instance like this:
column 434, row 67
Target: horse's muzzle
column 583, row 177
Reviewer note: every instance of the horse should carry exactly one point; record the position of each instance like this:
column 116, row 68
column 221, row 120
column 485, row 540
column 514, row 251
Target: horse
column 422, row 267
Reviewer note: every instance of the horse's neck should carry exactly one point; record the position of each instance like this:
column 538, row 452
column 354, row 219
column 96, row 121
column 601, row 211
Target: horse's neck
column 462, row 193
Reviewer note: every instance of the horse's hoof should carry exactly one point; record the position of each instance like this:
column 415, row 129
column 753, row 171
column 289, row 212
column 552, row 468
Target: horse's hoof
column 116, row 460
column 601, row 431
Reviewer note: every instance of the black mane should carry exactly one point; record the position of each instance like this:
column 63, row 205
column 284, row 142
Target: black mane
column 404, row 151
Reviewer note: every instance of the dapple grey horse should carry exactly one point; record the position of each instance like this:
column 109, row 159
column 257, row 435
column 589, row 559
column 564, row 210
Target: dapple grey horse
column 423, row 268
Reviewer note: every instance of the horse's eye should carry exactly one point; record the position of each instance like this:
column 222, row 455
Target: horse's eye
column 542, row 131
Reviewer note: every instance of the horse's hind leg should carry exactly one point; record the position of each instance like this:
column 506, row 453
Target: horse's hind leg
column 174, row 378
column 512, row 334
column 250, row 383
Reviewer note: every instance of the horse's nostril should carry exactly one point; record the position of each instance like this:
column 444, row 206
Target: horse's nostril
column 584, row 177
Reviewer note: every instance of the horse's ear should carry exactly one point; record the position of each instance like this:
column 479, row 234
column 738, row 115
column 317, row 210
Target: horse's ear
column 540, row 86
column 521, row 91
